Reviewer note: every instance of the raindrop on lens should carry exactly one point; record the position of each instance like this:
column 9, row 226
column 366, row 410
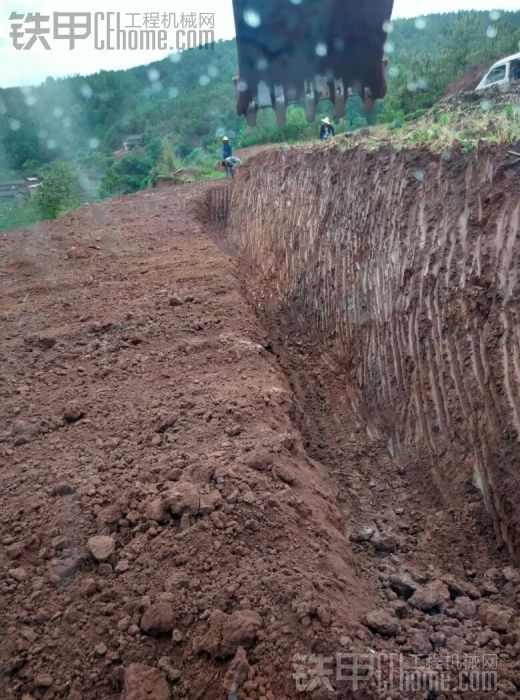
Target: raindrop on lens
column 153, row 75
column 420, row 176
column 420, row 23
column 494, row 15
column 173, row 92
column 93, row 143
column 262, row 64
column 389, row 47
column 321, row 49
column 86, row 91
column 14, row 124
column 393, row 71
column 58, row 112
column 491, row 32
column 252, row 18
column 51, row 144
column 204, row 80
column 388, row 27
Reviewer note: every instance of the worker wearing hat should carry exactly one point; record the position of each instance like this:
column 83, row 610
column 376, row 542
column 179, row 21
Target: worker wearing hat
column 227, row 149
column 327, row 130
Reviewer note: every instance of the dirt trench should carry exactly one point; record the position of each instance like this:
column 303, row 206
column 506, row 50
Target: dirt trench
column 389, row 287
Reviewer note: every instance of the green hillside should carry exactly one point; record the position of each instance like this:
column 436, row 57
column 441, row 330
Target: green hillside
column 183, row 103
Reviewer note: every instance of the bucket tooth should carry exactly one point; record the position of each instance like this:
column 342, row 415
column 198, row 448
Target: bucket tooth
column 252, row 110
column 280, row 105
column 368, row 100
column 339, row 98
column 310, row 102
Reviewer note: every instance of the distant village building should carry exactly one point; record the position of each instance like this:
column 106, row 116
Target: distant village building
column 11, row 189
column 132, row 142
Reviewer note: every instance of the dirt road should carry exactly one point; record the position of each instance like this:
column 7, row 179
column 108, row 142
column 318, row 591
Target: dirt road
column 186, row 506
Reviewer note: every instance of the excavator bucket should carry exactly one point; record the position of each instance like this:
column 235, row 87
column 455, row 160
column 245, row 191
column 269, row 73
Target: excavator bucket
column 303, row 51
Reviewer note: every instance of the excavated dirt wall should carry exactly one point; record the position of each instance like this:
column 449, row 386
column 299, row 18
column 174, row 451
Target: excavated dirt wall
column 406, row 266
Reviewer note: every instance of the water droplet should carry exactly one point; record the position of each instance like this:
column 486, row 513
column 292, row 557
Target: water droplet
column 14, row 124
column 262, row 64
column 389, row 47
column 93, row 143
column 421, row 84
column 321, row 49
column 388, row 27
column 420, row 176
column 420, row 23
column 411, row 86
column 58, row 112
column 30, row 100
column 393, row 71
column 86, row 91
column 296, row 2
column 204, row 80
column 175, row 57
column 67, row 122
column 252, row 18
column 491, row 32
column 494, row 15
column 485, row 105
column 213, row 71
column 173, row 92
column 242, row 86
column 153, row 75
column 51, row 144
column 42, row 134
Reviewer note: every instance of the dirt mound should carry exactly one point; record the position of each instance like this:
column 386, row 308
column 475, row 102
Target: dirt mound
column 469, row 80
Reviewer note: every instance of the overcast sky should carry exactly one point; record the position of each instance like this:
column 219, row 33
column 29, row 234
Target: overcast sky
column 32, row 66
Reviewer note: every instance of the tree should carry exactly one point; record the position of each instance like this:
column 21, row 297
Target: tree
column 60, row 190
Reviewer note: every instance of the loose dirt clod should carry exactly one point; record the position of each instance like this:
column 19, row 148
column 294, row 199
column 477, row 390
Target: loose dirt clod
column 101, row 547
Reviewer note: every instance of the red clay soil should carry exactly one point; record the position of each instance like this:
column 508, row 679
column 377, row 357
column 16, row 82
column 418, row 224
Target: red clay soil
column 187, row 502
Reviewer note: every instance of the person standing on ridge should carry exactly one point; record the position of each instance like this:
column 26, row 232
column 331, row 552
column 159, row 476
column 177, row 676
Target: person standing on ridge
column 229, row 162
column 227, row 148
column 327, row 130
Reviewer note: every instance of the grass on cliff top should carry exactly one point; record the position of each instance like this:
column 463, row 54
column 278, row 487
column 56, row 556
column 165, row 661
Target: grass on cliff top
column 445, row 125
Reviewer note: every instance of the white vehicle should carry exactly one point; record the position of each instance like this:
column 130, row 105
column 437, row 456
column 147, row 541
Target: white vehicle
column 502, row 73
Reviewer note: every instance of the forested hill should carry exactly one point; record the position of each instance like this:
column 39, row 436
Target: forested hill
column 188, row 100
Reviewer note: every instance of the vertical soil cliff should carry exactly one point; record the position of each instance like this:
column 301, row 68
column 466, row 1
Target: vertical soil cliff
column 406, row 266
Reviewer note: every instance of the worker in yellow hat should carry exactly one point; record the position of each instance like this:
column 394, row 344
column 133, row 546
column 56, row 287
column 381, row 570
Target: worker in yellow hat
column 327, row 130
column 227, row 149
column 229, row 162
